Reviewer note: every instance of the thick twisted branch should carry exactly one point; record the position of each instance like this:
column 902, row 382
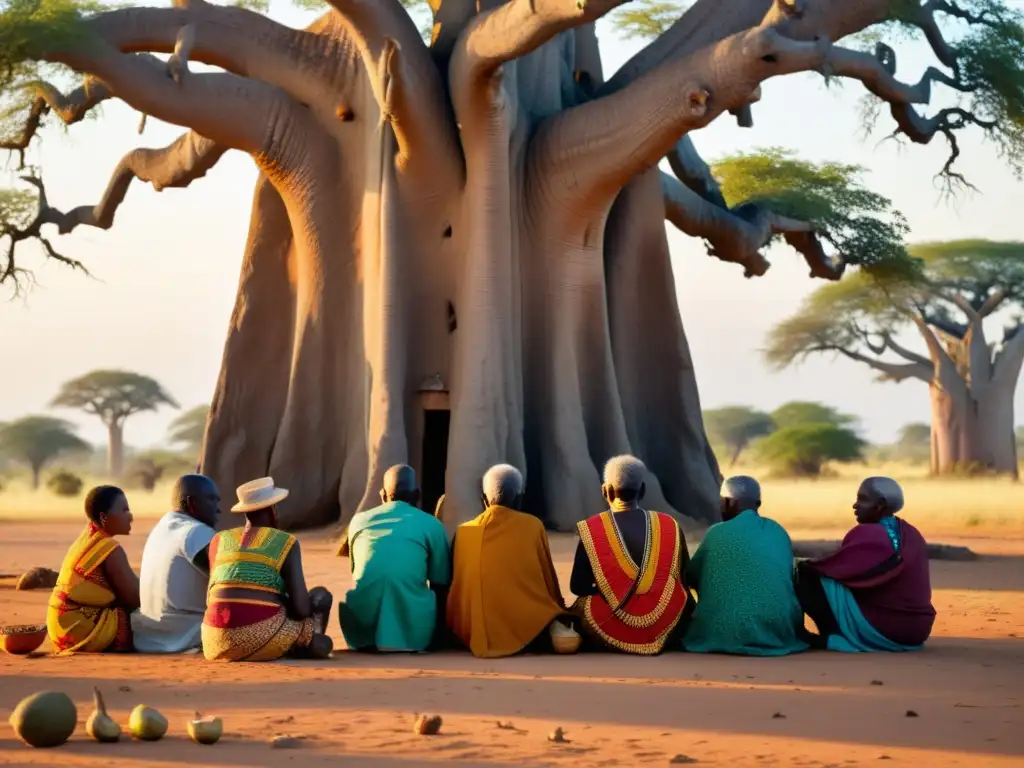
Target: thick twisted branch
column 737, row 235
column 690, row 168
column 890, row 371
column 180, row 163
column 405, row 82
column 307, row 64
column 232, row 111
column 592, row 150
column 71, row 109
column 1007, row 364
column 507, row 32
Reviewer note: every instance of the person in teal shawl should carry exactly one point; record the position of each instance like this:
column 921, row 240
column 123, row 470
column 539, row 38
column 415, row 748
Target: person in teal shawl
column 401, row 569
column 743, row 576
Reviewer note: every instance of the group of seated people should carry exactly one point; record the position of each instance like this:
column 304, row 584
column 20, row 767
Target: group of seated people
column 240, row 594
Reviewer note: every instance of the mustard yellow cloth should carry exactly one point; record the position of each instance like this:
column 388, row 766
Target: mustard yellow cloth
column 504, row 589
column 82, row 615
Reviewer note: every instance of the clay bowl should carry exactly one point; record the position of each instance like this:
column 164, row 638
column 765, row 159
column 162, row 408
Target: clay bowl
column 19, row 639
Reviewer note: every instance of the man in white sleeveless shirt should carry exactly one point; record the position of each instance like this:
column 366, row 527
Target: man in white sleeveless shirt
column 176, row 570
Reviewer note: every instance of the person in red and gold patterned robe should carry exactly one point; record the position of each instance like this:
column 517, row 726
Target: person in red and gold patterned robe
column 628, row 570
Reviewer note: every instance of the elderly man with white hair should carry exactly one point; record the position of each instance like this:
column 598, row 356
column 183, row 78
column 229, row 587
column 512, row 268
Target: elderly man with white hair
column 743, row 576
column 628, row 570
column 504, row 596
column 401, row 570
column 874, row 593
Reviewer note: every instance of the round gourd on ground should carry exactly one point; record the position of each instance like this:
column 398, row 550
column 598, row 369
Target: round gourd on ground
column 45, row 719
column 147, row 724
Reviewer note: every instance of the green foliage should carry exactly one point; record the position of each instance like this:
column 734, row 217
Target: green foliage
column 113, row 395
column 734, row 427
column 149, row 468
column 37, row 440
column 647, row 19
column 30, row 29
column 17, row 207
column 802, row 450
column 844, row 315
column 991, row 59
column 188, row 429
column 800, row 413
column 64, row 483
column 859, row 224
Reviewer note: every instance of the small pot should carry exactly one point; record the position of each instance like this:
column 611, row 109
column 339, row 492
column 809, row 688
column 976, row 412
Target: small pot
column 20, row 639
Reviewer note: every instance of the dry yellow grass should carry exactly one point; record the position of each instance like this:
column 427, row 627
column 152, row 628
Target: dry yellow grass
column 808, row 508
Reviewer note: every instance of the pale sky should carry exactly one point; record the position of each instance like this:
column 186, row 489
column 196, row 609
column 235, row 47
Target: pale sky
column 166, row 273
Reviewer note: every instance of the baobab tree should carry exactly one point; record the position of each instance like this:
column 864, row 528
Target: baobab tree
column 972, row 378
column 481, row 216
column 113, row 396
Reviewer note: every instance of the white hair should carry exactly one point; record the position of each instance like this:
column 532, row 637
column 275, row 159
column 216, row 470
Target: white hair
column 742, row 488
column 886, row 489
column 502, row 484
column 625, row 473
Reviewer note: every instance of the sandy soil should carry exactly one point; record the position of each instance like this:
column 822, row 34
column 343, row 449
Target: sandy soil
column 818, row 709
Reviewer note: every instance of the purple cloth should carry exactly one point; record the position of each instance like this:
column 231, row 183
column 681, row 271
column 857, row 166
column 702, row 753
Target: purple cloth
column 892, row 588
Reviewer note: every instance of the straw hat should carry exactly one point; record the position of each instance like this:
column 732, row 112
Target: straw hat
column 258, row 494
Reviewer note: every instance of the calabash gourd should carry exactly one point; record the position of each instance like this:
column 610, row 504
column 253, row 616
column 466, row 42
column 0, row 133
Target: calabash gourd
column 45, row 719
column 205, row 730
column 146, row 724
column 100, row 726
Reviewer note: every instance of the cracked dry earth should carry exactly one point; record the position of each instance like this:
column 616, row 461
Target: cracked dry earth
column 817, row 709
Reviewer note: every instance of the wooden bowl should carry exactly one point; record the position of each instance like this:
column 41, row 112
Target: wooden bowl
column 19, row 639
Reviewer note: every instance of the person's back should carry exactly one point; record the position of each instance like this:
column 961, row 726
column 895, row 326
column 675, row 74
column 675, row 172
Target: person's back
column 743, row 576
column 504, row 590
column 172, row 586
column 398, row 552
column 901, row 608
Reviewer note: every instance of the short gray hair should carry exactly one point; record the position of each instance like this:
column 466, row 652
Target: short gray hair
column 742, row 488
column 502, row 484
column 399, row 480
column 186, row 486
column 625, row 473
column 886, row 489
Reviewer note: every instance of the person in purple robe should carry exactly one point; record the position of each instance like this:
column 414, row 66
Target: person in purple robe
column 874, row 593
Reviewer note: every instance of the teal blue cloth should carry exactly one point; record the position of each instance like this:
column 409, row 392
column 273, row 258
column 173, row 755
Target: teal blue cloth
column 858, row 636
column 396, row 551
column 743, row 576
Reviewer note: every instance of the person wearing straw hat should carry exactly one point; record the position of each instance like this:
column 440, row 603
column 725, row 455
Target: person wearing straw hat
column 401, row 569
column 258, row 607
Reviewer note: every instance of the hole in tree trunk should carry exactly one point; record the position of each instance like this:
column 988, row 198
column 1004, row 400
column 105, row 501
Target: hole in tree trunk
column 769, row 58
column 435, row 456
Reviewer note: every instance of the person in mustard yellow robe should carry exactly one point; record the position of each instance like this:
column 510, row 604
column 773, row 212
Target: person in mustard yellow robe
column 504, row 594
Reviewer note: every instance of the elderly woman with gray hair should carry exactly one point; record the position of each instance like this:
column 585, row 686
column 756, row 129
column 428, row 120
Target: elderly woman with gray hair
column 874, row 593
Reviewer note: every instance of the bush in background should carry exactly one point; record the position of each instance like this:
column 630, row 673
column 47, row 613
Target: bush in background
column 64, row 483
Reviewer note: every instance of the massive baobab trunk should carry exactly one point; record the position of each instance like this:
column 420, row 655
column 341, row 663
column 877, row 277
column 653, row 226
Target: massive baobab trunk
column 475, row 228
column 972, row 395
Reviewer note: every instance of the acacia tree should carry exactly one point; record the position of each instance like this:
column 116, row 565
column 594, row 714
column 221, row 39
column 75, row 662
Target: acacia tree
column 735, row 426
column 484, row 213
column 972, row 381
column 113, row 396
column 38, row 440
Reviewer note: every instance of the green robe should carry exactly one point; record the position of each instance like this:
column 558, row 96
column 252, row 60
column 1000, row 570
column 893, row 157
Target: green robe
column 743, row 576
column 397, row 551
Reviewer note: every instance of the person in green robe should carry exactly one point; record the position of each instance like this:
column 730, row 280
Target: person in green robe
column 401, row 569
column 743, row 576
